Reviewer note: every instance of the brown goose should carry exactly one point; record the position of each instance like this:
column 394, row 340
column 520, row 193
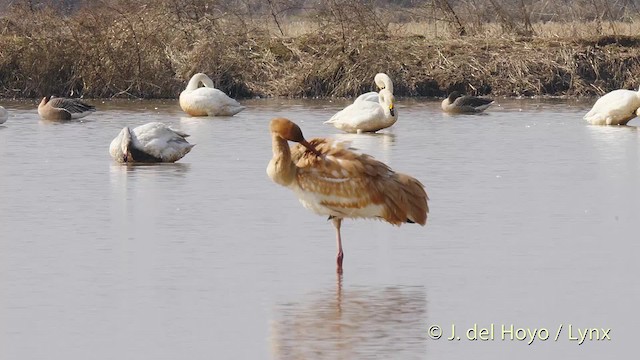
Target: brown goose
column 53, row 108
column 465, row 104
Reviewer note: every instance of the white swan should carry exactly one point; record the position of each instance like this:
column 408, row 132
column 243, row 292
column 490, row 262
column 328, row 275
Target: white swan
column 207, row 100
column 367, row 116
column 617, row 107
column 465, row 104
column 4, row 115
column 383, row 81
column 150, row 143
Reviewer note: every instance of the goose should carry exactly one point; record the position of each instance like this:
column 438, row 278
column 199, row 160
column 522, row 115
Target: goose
column 617, row 107
column 367, row 116
column 207, row 100
column 332, row 180
column 149, row 143
column 383, row 81
column 465, row 104
column 55, row 108
column 4, row 115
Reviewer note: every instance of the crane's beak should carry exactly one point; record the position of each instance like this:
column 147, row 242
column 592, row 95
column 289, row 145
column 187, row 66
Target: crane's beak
column 310, row 147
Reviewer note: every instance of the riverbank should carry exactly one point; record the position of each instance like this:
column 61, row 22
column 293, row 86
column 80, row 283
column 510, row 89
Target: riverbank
column 110, row 53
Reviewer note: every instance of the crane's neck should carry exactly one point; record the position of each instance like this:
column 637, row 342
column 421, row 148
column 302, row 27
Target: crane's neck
column 281, row 169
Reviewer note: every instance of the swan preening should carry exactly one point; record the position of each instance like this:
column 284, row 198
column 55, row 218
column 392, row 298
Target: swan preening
column 383, row 81
column 367, row 116
column 207, row 100
column 149, row 143
column 617, row 107
column 458, row 103
column 4, row 115
column 370, row 111
column 330, row 179
column 54, row 108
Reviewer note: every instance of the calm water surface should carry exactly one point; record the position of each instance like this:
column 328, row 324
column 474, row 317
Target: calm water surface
column 534, row 221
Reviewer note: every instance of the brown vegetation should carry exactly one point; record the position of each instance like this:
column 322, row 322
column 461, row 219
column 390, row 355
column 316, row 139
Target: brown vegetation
column 149, row 49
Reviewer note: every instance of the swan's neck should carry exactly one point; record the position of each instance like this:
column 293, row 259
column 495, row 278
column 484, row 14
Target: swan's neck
column 281, row 169
column 388, row 85
column 385, row 100
column 384, row 82
column 195, row 81
column 125, row 143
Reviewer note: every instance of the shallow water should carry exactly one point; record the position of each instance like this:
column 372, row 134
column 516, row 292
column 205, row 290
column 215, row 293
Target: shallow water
column 533, row 223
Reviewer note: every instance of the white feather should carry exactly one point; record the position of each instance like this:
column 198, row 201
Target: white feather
column 367, row 116
column 370, row 96
column 207, row 100
column 614, row 108
column 155, row 139
column 383, row 81
column 314, row 200
column 4, row 115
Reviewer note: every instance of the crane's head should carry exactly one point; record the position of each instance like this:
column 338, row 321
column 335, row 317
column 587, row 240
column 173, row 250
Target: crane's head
column 288, row 130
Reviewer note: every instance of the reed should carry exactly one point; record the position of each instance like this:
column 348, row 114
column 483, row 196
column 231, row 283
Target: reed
column 149, row 49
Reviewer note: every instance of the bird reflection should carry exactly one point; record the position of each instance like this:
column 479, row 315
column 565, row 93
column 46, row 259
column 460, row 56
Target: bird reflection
column 608, row 138
column 159, row 168
column 189, row 120
column 611, row 146
column 378, row 145
column 120, row 174
column 356, row 323
column 198, row 121
column 462, row 116
column 47, row 122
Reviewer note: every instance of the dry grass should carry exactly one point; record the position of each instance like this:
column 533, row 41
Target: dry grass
column 548, row 30
column 440, row 29
column 149, row 50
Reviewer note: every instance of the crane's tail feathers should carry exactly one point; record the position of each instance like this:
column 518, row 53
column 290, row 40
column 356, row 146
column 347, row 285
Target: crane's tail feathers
column 417, row 196
column 407, row 202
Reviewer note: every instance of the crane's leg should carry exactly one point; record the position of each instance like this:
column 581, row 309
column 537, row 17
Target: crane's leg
column 337, row 222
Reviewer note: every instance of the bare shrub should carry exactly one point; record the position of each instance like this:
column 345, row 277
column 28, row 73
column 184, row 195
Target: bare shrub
column 149, row 49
